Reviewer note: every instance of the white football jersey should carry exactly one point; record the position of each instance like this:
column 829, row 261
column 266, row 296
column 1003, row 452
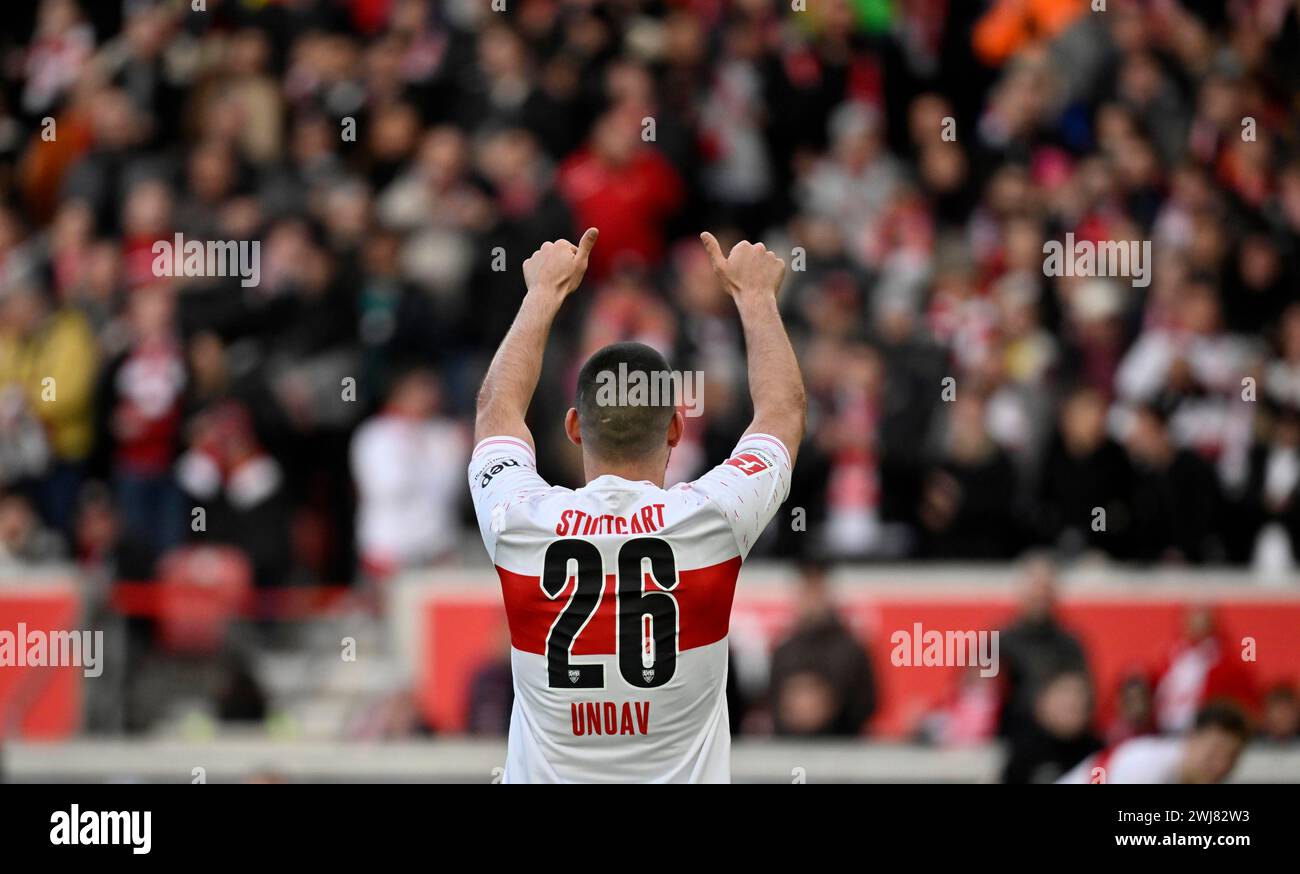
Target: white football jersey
column 618, row 596
column 1138, row 760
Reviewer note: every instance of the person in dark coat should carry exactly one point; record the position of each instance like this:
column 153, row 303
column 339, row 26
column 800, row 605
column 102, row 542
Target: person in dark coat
column 1034, row 649
column 822, row 684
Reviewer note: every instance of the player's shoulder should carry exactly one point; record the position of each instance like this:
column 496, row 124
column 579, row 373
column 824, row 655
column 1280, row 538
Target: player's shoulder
column 1147, row 759
column 1148, row 748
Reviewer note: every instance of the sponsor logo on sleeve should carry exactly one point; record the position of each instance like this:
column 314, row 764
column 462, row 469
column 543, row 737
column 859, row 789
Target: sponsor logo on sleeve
column 493, row 468
column 749, row 462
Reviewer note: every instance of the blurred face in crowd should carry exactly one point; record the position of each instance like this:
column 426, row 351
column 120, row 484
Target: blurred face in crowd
column 1115, row 128
column 17, row 521
column 1135, row 702
column 208, row 363
column 857, row 140
column 114, row 118
column 394, row 132
column 1083, row 422
column 21, row 310
column 416, row 395
column 1199, row 624
column 212, row 172
column 507, row 156
column 1199, row 310
column 814, row 600
column 943, row 167
column 56, row 16
column 1281, row 719
column 925, row 117
column 442, row 156
column 73, row 226
column 1009, row 191
column 1288, row 186
column 1209, row 243
column 501, row 54
column 806, row 702
column 1038, row 591
column 684, row 39
column 1259, row 262
column 147, row 30
column 967, row 435
column 312, row 139
column 617, row 137
column 97, row 525
column 1148, row 439
column 1064, row 706
column 148, row 210
column 629, row 84
column 347, row 212
column 381, row 253
column 1289, row 334
column 152, row 312
column 1211, row 754
column 1140, row 78
column 410, row 16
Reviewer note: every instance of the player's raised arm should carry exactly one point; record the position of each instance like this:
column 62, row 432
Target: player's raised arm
column 752, row 276
column 551, row 275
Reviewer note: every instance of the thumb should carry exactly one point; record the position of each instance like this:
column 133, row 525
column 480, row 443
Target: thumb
column 586, row 244
column 715, row 251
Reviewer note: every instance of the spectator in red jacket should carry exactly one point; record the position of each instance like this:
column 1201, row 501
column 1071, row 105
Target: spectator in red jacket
column 626, row 188
column 1204, row 666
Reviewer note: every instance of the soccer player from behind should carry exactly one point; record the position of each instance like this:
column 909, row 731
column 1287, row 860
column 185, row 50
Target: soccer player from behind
column 1206, row 754
column 618, row 594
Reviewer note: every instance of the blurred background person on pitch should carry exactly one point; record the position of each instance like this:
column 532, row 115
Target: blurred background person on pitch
column 1059, row 734
column 1035, row 649
column 1208, row 753
column 822, row 683
column 1203, row 666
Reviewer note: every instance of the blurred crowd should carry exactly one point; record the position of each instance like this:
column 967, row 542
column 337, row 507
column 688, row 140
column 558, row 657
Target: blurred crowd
column 1044, row 703
column 398, row 159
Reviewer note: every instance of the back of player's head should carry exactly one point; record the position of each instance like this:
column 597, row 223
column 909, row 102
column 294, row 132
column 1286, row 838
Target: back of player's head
column 626, row 398
column 1225, row 716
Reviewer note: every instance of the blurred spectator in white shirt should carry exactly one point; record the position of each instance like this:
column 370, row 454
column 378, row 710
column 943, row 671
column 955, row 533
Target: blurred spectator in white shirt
column 407, row 462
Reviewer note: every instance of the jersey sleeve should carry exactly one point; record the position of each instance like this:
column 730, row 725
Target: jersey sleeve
column 502, row 470
column 749, row 487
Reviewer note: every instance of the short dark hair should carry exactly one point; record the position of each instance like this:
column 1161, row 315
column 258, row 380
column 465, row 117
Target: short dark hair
column 612, row 428
column 1225, row 715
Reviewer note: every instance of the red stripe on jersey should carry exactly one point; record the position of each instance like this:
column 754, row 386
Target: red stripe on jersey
column 703, row 606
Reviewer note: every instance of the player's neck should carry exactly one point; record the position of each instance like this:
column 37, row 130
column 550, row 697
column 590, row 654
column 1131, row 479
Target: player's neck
column 634, row 471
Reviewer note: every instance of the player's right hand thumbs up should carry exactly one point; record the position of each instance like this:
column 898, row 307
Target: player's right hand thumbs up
column 557, row 268
column 749, row 269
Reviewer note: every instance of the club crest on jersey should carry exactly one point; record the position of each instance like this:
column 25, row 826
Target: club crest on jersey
column 749, row 463
column 648, row 674
column 573, row 676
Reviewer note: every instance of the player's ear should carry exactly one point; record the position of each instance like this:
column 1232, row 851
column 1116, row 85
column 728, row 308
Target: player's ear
column 571, row 426
column 676, row 428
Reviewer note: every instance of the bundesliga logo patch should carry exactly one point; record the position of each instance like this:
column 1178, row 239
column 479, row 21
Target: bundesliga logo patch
column 749, row 463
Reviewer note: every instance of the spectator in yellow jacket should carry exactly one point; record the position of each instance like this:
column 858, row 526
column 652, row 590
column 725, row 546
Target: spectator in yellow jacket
column 48, row 360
